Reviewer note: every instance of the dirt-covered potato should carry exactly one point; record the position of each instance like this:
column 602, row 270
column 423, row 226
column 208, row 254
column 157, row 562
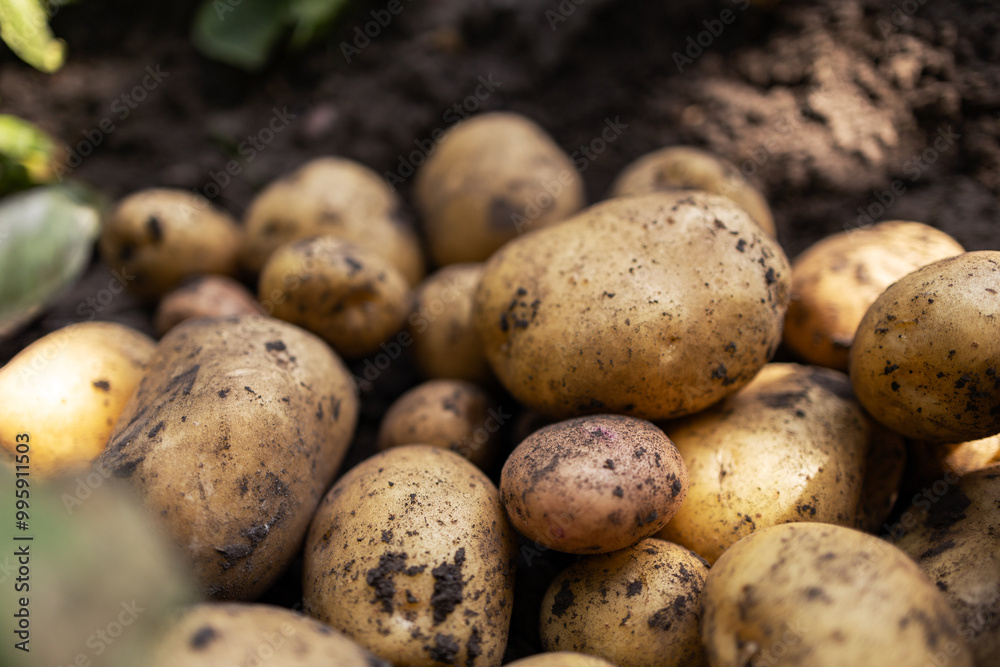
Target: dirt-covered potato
column 445, row 343
column 956, row 543
column 687, row 168
column 347, row 294
column 230, row 440
column 206, row 296
column 220, row 634
column 451, row 414
column 837, row 279
column 790, row 446
column 63, row 393
column 926, row 357
column 489, row 179
column 561, row 659
column 654, row 306
column 637, row 607
column 156, row 238
column 411, row 556
column 593, row 484
column 813, row 594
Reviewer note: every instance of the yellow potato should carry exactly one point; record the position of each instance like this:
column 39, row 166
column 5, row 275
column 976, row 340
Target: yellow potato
column 207, row 296
column 560, row 659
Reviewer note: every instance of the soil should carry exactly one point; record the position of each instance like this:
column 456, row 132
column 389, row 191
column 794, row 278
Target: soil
column 844, row 112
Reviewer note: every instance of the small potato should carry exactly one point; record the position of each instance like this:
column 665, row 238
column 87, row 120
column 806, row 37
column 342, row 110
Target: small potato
column 593, row 484
column 932, row 460
column 836, row 280
column 157, row 238
column 445, row 343
column 489, row 179
column 926, row 357
column 687, row 168
column 348, row 295
column 561, row 659
column 637, row 607
column 207, row 296
column 451, row 414
column 816, row 595
column 63, row 393
column 332, row 197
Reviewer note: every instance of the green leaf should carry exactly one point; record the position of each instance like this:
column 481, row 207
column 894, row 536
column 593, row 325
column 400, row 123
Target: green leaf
column 28, row 156
column 239, row 32
column 311, row 17
column 24, row 27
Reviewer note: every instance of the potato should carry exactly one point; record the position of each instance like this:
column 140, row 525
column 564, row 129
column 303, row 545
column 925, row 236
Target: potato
column 638, row 606
column 837, row 279
column 331, row 197
column 214, row 634
column 790, row 446
column 560, row 659
column 655, row 306
column 411, row 556
column 884, row 472
column 157, row 238
column 230, row 440
column 63, row 393
column 206, row 296
column 957, row 545
column 926, row 357
column 489, row 179
column 445, row 343
column 932, row 460
column 348, row 295
column 593, row 484
column 451, row 414
column 687, row 168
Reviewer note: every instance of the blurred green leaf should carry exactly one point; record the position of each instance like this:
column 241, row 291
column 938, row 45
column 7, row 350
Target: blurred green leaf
column 24, row 26
column 28, row 156
column 311, row 17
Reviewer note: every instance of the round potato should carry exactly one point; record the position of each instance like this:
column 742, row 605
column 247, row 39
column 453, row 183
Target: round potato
column 824, row 596
column 489, row 179
column 332, row 197
column 926, row 357
column 654, row 306
column 593, row 484
column 350, row 296
column 206, row 296
column 687, row 168
column 635, row 607
column 63, row 393
column 157, row 238
column 561, row 659
column 836, row 280
column 411, row 556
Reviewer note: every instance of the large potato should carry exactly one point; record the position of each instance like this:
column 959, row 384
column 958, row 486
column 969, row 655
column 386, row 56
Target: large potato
column 64, row 392
column 654, row 306
column 490, row 178
column 230, row 440
column 635, row 607
column 410, row 555
column 926, row 358
column 837, row 279
column 816, row 595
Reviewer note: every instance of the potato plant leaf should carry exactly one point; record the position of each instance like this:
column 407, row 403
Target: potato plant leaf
column 24, row 26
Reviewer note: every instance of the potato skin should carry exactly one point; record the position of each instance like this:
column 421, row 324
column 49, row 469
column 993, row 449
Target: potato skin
column 411, row 556
column 561, row 659
column 66, row 390
column 490, row 178
column 824, row 596
column 230, row 440
column 926, row 358
column 156, row 238
column 654, row 306
column 635, row 607
column 206, row 296
column 837, row 279
column 593, row 484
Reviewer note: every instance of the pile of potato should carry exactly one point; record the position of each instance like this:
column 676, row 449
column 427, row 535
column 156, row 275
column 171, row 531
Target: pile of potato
column 722, row 509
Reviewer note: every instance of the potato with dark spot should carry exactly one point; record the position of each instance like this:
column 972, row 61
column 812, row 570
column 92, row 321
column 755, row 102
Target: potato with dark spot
column 837, row 279
column 926, row 358
column 817, row 595
column 230, row 440
column 561, row 659
column 213, row 634
column 348, row 295
column 451, row 414
column 489, row 179
column 206, row 296
column 593, row 484
column 411, row 556
column 687, row 168
column 637, row 607
column 157, row 238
